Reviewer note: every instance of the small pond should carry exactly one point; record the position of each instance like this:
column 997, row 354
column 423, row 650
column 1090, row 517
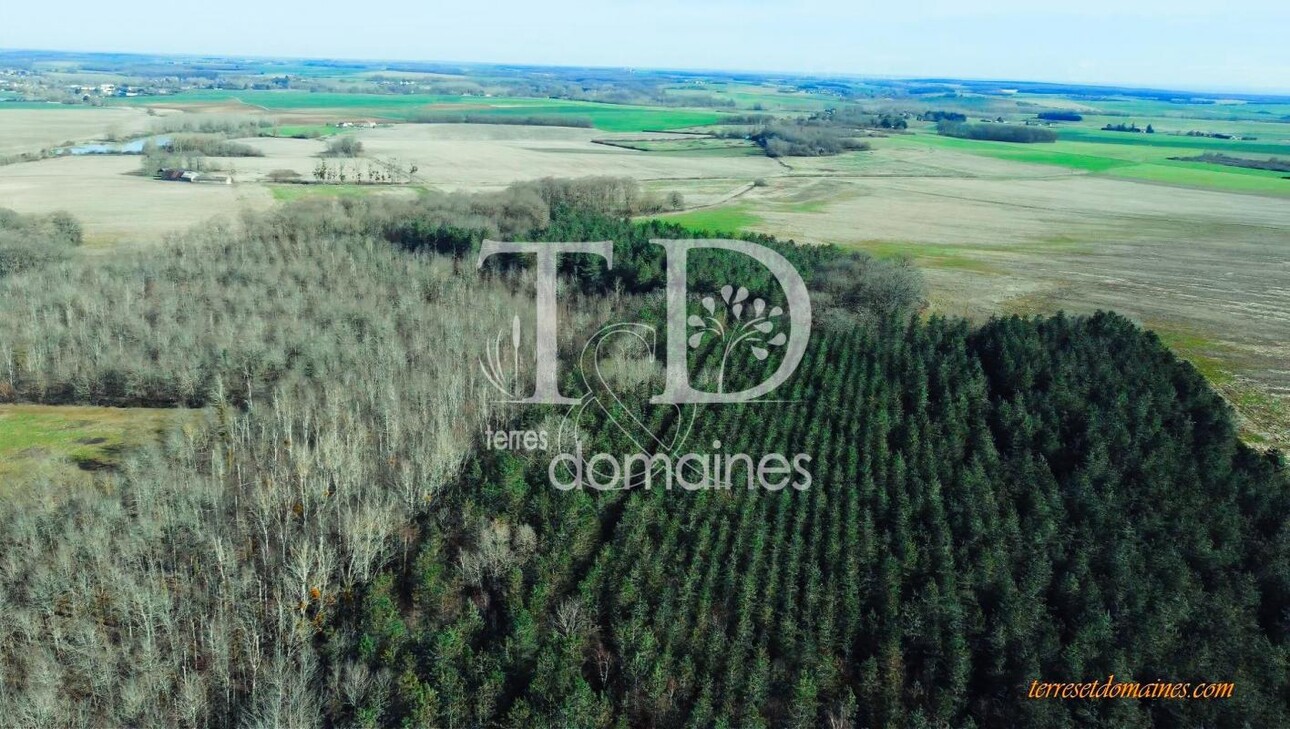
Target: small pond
column 133, row 146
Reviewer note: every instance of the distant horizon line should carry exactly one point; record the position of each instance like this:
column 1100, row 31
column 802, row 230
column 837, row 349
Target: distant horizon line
column 1201, row 92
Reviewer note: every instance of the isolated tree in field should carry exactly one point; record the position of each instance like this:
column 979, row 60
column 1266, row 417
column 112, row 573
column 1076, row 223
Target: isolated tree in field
column 344, row 147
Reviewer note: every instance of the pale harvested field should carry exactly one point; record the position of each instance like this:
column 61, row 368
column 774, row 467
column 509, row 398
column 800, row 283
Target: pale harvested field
column 300, row 155
column 702, row 193
column 464, row 156
column 481, row 156
column 114, row 205
column 30, row 130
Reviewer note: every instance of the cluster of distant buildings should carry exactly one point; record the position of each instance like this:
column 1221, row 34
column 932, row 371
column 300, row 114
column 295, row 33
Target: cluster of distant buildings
column 109, row 90
column 5, row 83
column 177, row 174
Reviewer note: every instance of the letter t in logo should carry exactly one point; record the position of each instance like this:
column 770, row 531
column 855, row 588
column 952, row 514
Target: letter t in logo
column 547, row 391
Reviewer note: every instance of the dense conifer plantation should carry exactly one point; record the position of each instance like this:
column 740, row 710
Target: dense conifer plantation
column 1056, row 499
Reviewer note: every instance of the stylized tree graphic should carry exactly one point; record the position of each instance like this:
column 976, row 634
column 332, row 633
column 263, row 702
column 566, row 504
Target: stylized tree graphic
column 733, row 329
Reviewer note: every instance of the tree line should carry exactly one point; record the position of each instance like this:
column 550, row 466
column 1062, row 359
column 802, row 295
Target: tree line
column 996, row 132
column 1272, row 164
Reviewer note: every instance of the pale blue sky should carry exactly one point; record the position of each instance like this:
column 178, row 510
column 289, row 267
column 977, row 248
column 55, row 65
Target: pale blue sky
column 1186, row 44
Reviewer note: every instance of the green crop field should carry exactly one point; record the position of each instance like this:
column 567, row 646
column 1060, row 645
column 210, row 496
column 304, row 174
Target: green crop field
column 1199, row 174
column 306, row 130
column 726, row 219
column 1147, row 161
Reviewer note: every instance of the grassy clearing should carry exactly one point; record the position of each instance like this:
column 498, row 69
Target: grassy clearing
column 66, row 439
column 728, row 219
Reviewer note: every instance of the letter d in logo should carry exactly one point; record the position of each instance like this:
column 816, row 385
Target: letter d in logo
column 677, row 388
